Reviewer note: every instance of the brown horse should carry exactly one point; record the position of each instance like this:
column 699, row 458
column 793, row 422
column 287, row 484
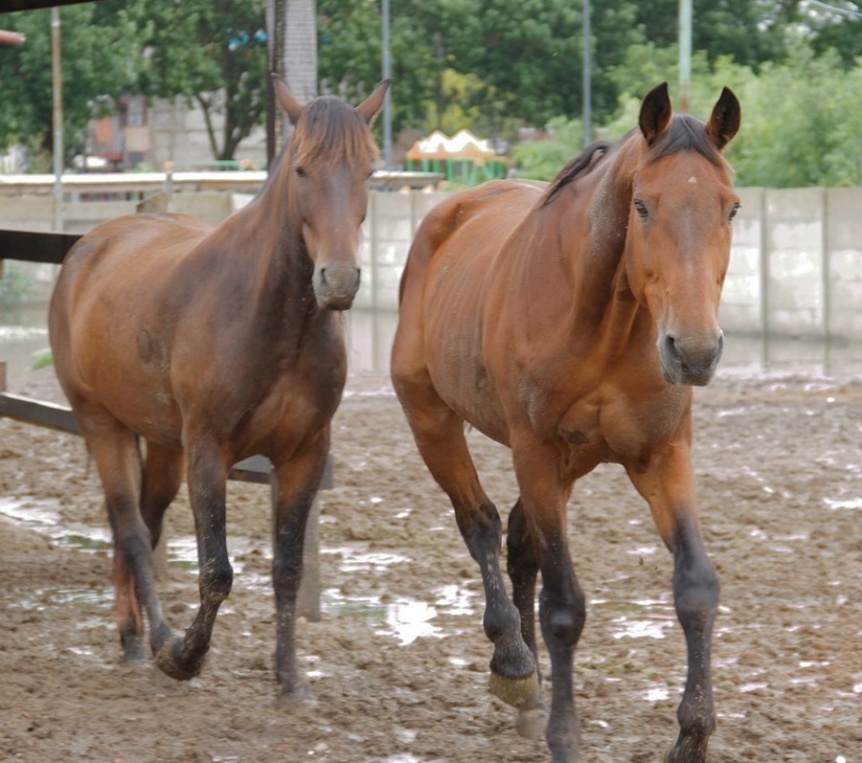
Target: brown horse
column 568, row 323
column 213, row 344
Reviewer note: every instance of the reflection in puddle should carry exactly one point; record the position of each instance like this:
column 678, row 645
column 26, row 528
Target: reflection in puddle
column 657, row 694
column 852, row 503
column 44, row 519
column 406, row 619
column 639, row 618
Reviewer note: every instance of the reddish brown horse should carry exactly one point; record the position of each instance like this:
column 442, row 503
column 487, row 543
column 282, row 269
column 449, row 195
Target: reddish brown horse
column 569, row 323
column 213, row 345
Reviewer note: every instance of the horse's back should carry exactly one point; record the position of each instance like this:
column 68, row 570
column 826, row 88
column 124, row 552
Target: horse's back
column 496, row 207
column 113, row 244
column 454, row 250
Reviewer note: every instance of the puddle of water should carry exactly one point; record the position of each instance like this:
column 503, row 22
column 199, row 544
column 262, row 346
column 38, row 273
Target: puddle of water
column 657, row 694
column 850, row 503
column 405, row 619
column 42, row 517
column 638, row 618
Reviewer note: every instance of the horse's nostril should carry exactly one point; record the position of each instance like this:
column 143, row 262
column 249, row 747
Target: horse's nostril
column 670, row 346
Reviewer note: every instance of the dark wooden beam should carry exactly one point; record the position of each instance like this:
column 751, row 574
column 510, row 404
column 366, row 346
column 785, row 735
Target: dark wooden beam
column 31, row 246
column 59, row 417
column 9, row 6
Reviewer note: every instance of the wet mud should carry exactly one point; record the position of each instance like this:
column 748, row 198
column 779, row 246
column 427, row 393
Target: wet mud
column 398, row 662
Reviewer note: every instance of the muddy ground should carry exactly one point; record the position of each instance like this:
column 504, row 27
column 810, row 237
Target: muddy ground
column 779, row 471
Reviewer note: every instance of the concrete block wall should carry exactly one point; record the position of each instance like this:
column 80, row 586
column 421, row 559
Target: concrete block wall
column 796, row 264
column 795, row 268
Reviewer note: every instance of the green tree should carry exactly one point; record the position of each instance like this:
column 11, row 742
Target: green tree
column 800, row 121
column 99, row 55
column 542, row 160
column 213, row 52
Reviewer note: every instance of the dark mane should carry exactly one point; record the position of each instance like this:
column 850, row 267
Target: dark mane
column 577, row 167
column 328, row 122
column 686, row 133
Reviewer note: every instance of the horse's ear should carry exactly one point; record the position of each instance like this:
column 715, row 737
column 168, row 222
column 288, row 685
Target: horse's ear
column 725, row 119
column 370, row 107
column 655, row 113
column 285, row 98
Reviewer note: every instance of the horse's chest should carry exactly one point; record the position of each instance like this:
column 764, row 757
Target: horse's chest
column 293, row 409
column 614, row 426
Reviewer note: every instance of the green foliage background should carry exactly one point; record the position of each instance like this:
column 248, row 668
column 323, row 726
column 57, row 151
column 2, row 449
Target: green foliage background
column 492, row 66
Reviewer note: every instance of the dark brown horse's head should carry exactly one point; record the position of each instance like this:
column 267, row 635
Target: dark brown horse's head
column 328, row 160
column 679, row 230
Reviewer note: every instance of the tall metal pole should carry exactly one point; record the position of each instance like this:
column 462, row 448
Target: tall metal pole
column 684, row 53
column 587, row 96
column 387, row 102
column 57, row 79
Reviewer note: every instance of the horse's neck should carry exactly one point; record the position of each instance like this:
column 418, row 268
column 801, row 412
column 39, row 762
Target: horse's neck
column 602, row 299
column 270, row 260
column 274, row 232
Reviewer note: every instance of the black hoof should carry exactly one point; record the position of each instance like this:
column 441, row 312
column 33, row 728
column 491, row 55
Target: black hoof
column 171, row 661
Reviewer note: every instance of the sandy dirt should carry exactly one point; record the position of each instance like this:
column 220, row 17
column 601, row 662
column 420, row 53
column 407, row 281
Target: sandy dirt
column 778, row 459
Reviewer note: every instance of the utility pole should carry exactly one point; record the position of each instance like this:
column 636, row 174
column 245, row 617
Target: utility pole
column 57, row 79
column 684, row 54
column 387, row 101
column 587, row 95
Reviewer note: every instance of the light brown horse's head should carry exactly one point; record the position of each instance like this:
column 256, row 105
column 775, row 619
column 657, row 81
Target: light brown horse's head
column 328, row 161
column 679, row 230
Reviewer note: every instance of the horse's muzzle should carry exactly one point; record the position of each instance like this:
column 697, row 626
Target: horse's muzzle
column 335, row 285
column 690, row 361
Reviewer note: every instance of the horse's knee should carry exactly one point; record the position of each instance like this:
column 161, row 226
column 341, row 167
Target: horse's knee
column 136, row 551
column 696, row 594
column 501, row 619
column 563, row 621
column 216, row 580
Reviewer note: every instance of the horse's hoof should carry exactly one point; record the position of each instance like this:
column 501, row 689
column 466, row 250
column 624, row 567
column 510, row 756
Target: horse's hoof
column 531, row 724
column 133, row 654
column 169, row 660
column 522, row 693
column 298, row 695
column 686, row 753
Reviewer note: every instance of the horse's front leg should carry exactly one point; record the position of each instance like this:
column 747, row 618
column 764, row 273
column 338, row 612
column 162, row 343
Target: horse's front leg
column 298, row 482
column 183, row 658
column 668, row 486
column 562, row 604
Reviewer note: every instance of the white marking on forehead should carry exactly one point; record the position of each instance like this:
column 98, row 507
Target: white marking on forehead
column 692, row 179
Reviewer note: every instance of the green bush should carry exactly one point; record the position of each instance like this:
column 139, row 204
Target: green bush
column 15, row 286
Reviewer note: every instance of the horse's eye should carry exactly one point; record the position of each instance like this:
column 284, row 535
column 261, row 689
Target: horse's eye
column 733, row 212
column 641, row 209
column 300, row 171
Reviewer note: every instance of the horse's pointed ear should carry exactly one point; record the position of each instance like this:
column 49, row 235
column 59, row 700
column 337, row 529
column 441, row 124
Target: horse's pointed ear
column 370, row 107
column 655, row 113
column 725, row 120
column 285, row 98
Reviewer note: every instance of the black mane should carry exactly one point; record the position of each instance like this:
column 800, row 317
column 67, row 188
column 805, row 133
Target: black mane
column 577, row 167
column 686, row 133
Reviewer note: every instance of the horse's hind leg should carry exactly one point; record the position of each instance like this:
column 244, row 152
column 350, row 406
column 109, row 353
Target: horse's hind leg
column 523, row 568
column 162, row 477
column 160, row 480
column 117, row 459
column 439, row 435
